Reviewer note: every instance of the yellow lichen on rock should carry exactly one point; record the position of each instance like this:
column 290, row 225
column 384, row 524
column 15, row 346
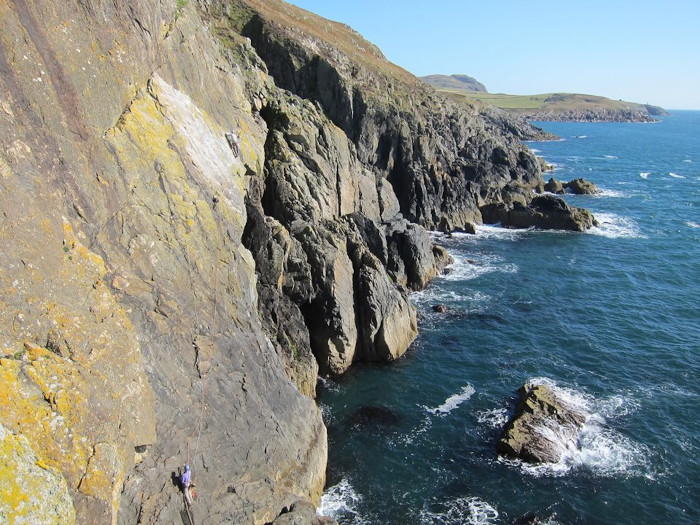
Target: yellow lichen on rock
column 74, row 387
column 30, row 490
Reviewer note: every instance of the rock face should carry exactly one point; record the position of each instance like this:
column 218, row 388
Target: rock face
column 626, row 114
column 168, row 295
column 543, row 428
column 443, row 160
column 130, row 341
column 546, row 212
column 581, row 187
column 302, row 513
column 555, row 186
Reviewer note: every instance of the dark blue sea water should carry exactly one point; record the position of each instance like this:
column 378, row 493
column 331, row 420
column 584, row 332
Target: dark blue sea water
column 610, row 317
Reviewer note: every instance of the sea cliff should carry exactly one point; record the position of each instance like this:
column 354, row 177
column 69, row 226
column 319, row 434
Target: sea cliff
column 169, row 295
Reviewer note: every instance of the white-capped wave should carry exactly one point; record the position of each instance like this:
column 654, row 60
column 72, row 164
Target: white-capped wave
column 434, row 295
column 459, row 511
column 490, row 231
column 644, row 174
column 465, row 268
column 328, row 384
column 610, row 156
column 688, row 161
column 692, row 224
column 534, row 150
column 326, row 414
column 453, row 401
column 604, row 192
column 600, row 448
column 615, row 226
column 341, row 501
column 675, row 175
column 495, row 418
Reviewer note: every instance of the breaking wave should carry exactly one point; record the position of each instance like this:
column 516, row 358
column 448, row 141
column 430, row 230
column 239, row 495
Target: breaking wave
column 465, row 268
column 459, row 511
column 340, row 502
column 494, row 418
column 611, row 193
column 600, row 448
column 615, row 227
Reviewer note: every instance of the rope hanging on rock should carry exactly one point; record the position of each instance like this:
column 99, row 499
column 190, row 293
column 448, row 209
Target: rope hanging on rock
column 203, row 371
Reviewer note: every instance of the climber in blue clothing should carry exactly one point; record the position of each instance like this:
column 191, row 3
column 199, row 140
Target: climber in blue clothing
column 186, row 483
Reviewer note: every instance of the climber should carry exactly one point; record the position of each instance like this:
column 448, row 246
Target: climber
column 186, row 483
column 232, row 139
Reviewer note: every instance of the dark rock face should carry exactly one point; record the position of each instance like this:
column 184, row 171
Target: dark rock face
column 555, row 186
column 543, row 427
column 443, row 161
column 334, row 255
column 639, row 114
column 581, row 187
column 546, row 212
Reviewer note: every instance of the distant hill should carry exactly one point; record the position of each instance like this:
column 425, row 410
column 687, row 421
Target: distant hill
column 458, row 82
column 548, row 106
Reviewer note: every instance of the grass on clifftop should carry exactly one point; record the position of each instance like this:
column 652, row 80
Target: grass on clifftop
column 546, row 102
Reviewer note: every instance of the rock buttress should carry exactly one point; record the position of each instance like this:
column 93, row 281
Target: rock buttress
column 129, row 334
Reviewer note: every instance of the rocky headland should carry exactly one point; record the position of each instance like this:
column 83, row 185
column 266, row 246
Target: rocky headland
column 171, row 292
column 553, row 107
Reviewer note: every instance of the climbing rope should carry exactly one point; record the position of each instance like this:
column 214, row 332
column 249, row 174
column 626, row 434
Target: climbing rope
column 204, row 372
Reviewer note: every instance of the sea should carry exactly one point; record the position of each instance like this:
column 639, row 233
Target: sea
column 610, row 318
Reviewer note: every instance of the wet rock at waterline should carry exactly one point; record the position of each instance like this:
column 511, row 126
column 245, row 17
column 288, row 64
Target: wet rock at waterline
column 546, row 212
column 543, row 428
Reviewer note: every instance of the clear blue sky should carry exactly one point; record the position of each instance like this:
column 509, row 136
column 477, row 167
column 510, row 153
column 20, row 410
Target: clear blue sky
column 640, row 51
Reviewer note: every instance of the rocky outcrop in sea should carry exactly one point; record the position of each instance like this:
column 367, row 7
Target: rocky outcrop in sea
column 578, row 186
column 543, row 428
column 204, row 205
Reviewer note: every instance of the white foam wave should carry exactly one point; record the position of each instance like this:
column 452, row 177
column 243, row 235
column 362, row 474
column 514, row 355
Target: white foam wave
column 341, row 501
column 465, row 268
column 437, row 296
column 328, row 384
column 452, row 402
column 692, row 224
column 495, row 418
column 644, row 174
column 489, row 231
column 615, row 227
column 571, row 398
column 610, row 156
column 611, row 193
column 675, row 175
column 616, row 406
column 601, row 449
column 688, row 161
column 417, row 432
column 534, row 150
column 460, row 511
column 326, row 414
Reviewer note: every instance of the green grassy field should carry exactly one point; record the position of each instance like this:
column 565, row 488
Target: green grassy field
column 546, row 102
column 501, row 100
